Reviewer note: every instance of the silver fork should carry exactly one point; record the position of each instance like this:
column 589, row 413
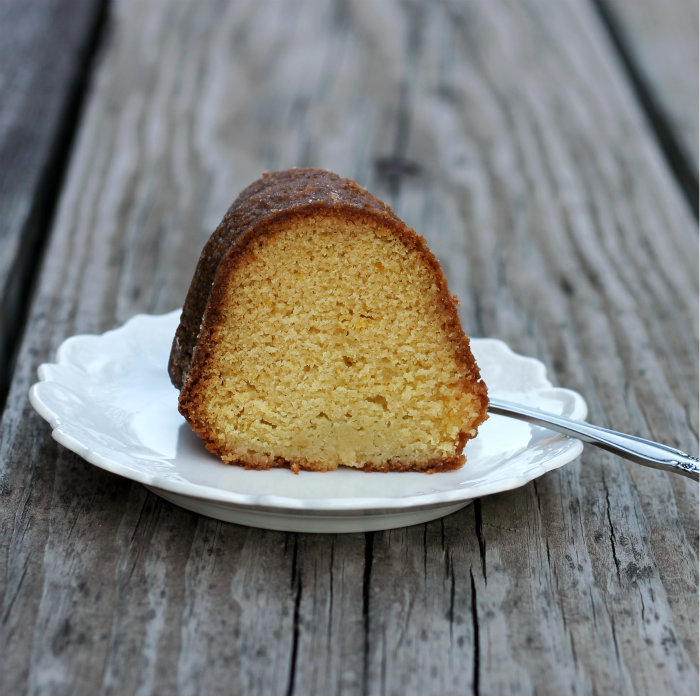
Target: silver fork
column 637, row 449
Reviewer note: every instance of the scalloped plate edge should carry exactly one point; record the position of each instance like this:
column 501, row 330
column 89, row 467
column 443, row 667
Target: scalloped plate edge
column 339, row 506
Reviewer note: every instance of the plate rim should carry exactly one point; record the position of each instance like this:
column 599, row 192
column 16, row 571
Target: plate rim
column 352, row 506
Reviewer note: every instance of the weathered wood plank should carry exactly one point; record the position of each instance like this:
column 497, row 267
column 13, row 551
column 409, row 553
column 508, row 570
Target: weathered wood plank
column 660, row 43
column 45, row 48
column 505, row 133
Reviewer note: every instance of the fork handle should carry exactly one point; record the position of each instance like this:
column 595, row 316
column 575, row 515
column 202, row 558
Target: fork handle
column 637, row 449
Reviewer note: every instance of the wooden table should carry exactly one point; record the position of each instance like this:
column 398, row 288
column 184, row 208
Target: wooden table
column 547, row 150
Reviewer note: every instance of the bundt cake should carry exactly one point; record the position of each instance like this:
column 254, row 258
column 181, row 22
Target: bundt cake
column 318, row 331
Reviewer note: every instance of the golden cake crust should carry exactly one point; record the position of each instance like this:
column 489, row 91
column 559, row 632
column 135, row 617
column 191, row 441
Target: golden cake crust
column 273, row 199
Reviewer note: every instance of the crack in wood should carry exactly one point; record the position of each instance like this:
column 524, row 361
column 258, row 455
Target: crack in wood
column 659, row 123
column 451, row 610
column 612, row 531
column 15, row 296
column 144, row 503
column 537, row 498
column 296, row 581
column 641, row 601
column 366, row 580
column 475, row 627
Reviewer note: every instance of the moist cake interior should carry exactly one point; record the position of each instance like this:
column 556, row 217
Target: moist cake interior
column 332, row 348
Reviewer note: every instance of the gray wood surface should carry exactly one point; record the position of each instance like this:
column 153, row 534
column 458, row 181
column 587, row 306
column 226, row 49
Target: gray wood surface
column 40, row 87
column 505, row 133
column 662, row 41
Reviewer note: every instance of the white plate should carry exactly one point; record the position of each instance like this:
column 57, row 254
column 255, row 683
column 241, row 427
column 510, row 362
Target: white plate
column 109, row 399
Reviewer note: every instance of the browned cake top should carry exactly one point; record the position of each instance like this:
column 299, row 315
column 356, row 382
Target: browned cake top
column 272, row 195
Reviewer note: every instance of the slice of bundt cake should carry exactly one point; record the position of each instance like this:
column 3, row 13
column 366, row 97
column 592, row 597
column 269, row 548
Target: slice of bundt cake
column 318, row 331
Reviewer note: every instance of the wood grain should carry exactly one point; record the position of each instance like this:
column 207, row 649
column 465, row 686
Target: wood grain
column 40, row 92
column 661, row 43
column 507, row 135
